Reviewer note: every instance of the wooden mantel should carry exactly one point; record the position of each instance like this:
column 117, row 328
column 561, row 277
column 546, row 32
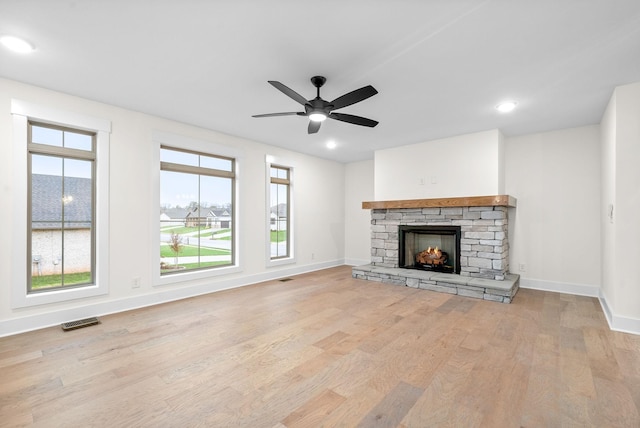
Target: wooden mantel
column 467, row 201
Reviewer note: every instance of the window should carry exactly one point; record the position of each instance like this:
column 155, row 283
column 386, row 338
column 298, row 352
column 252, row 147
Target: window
column 61, row 208
column 60, row 205
column 279, row 209
column 196, row 210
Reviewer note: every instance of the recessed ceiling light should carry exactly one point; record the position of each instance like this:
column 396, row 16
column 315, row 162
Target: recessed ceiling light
column 331, row 144
column 16, row 44
column 506, row 107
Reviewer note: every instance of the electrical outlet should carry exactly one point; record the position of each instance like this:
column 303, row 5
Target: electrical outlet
column 313, row 256
column 522, row 267
column 135, row 282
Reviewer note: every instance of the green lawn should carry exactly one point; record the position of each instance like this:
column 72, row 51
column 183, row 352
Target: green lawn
column 278, row 236
column 191, row 250
column 49, row 281
column 194, row 231
column 179, row 229
column 222, row 238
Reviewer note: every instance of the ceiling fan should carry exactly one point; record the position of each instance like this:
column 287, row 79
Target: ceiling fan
column 317, row 109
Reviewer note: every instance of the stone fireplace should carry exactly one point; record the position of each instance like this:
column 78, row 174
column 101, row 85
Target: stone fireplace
column 472, row 231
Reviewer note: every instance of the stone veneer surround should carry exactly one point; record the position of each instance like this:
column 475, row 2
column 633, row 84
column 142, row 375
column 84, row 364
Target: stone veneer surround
column 484, row 245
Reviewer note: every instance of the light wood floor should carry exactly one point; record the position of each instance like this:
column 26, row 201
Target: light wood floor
column 326, row 350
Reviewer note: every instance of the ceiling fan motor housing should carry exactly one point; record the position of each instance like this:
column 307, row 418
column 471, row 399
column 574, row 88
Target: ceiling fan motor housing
column 318, row 105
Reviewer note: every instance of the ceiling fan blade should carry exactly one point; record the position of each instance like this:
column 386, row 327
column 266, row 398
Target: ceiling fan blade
column 313, row 127
column 354, row 97
column 356, row 120
column 288, row 92
column 289, row 113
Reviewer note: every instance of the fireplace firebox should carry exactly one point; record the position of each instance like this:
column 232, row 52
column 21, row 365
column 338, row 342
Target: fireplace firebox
column 433, row 248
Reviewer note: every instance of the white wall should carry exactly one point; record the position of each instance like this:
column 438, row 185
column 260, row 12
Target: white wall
column 555, row 228
column 622, row 175
column 359, row 177
column 555, row 177
column 319, row 211
column 466, row 165
column 501, row 165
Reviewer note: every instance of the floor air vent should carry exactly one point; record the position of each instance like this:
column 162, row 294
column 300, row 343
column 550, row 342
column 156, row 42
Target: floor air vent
column 285, row 279
column 72, row 325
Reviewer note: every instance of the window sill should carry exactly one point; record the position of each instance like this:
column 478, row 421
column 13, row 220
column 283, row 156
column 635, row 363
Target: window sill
column 56, row 296
column 280, row 262
column 176, row 278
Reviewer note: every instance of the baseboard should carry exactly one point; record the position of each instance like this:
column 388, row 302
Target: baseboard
column 560, row 287
column 616, row 322
column 356, row 262
column 42, row 320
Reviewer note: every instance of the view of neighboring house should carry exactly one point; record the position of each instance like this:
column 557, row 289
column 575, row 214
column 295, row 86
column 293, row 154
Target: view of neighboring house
column 278, row 215
column 53, row 201
column 216, row 218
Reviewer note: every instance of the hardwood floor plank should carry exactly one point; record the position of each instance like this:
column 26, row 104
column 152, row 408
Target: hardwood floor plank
column 615, row 406
column 353, row 409
column 390, row 411
column 8, row 359
column 314, row 411
column 328, row 350
column 602, row 359
column 434, row 406
column 331, row 340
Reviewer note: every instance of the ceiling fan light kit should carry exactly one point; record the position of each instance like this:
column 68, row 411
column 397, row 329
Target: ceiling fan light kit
column 317, row 109
column 317, row 116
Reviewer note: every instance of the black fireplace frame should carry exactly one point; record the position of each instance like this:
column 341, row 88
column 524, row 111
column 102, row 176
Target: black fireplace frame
column 429, row 230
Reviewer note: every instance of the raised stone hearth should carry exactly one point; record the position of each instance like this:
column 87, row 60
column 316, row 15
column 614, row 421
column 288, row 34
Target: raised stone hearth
column 480, row 288
column 484, row 245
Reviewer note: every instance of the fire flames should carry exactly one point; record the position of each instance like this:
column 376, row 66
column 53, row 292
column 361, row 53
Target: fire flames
column 434, row 252
column 432, row 256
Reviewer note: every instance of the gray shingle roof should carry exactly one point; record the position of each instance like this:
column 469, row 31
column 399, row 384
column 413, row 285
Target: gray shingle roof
column 47, row 202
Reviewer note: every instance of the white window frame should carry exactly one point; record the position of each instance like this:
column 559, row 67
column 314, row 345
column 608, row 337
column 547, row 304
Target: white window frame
column 279, row 162
column 160, row 138
column 22, row 112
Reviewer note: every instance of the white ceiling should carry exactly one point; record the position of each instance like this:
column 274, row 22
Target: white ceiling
column 440, row 66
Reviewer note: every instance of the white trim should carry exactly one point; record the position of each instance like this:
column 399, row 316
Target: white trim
column 356, row 262
column 34, row 322
column 59, row 117
column 287, row 163
column 22, row 112
column 560, row 287
column 616, row 322
column 180, row 141
column 605, row 308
